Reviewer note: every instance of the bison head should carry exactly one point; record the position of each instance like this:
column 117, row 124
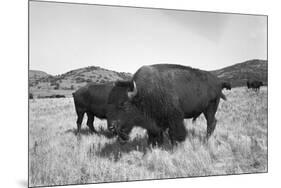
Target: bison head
column 121, row 113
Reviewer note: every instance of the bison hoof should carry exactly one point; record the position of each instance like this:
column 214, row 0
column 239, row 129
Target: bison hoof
column 94, row 132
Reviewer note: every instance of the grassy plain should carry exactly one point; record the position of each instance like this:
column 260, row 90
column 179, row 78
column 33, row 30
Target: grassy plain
column 57, row 156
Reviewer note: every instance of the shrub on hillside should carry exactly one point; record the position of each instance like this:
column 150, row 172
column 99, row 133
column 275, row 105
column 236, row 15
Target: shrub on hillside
column 102, row 81
column 88, row 80
column 57, row 86
column 80, row 80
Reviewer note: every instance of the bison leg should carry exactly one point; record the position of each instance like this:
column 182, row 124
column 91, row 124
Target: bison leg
column 210, row 117
column 80, row 115
column 195, row 117
column 177, row 131
column 90, row 122
column 155, row 139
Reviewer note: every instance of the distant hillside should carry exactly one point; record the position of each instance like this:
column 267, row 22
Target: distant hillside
column 43, row 84
column 238, row 74
column 68, row 82
column 36, row 75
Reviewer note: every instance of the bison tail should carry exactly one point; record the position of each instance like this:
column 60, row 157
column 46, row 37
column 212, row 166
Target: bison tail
column 223, row 96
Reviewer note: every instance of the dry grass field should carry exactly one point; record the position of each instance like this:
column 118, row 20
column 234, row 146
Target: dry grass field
column 57, row 156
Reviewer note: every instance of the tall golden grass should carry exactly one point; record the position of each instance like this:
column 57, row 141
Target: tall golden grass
column 57, row 156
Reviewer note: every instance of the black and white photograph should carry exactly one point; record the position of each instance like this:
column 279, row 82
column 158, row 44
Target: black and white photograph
column 120, row 93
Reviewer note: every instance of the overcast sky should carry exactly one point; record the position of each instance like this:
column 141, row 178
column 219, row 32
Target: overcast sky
column 64, row 37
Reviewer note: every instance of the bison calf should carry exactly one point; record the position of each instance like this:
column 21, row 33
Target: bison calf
column 91, row 99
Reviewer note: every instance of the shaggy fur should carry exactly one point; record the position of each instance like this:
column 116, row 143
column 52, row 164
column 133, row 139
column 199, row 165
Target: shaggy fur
column 166, row 94
column 91, row 99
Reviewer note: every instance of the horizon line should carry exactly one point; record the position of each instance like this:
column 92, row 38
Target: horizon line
column 139, row 67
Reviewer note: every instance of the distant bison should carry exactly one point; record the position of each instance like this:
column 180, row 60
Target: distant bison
column 159, row 97
column 226, row 85
column 51, row 96
column 91, row 99
column 57, row 96
column 255, row 85
column 30, row 96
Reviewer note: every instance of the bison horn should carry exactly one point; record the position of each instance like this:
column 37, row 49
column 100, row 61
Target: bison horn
column 132, row 94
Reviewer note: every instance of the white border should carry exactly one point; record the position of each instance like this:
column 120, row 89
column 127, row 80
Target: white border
column 13, row 95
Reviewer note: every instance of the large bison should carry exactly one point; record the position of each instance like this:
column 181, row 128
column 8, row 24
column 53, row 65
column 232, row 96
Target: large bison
column 255, row 85
column 91, row 99
column 159, row 97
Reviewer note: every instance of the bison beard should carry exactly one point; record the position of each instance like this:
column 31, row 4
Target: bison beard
column 160, row 97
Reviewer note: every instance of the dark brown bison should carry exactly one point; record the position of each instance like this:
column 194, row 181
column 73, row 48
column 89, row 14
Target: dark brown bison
column 255, row 85
column 30, row 96
column 91, row 99
column 226, row 85
column 159, row 97
column 57, row 96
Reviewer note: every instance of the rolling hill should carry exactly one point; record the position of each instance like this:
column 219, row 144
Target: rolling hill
column 65, row 84
column 42, row 84
column 36, row 75
column 239, row 73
